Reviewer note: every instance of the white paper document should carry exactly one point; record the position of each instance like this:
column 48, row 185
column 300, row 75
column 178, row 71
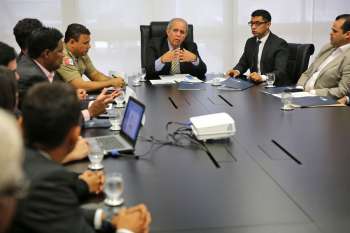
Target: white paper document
column 296, row 94
column 181, row 78
column 161, row 82
column 219, row 80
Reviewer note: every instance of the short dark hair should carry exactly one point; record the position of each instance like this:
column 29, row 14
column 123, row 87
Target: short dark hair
column 49, row 111
column 42, row 39
column 7, row 54
column 74, row 31
column 346, row 24
column 263, row 13
column 23, row 29
column 8, row 89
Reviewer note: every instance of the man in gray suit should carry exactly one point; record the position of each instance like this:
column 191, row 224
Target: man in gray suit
column 329, row 74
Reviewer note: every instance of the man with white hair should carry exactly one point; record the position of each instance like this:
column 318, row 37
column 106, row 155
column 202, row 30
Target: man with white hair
column 172, row 54
column 11, row 175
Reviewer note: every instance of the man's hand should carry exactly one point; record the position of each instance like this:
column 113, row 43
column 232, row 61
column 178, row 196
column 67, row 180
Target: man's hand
column 81, row 93
column 96, row 108
column 80, row 151
column 94, row 180
column 102, row 100
column 232, row 73
column 170, row 56
column 136, row 219
column 255, row 77
column 108, row 98
column 342, row 100
column 116, row 82
column 187, row 56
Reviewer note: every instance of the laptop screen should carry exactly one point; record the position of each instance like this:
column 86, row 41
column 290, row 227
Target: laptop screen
column 132, row 119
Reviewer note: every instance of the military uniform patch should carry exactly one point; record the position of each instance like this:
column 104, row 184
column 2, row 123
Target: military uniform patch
column 68, row 61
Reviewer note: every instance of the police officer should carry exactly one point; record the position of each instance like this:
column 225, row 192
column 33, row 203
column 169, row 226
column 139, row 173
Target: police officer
column 76, row 62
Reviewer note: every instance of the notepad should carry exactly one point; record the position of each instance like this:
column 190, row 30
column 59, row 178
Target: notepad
column 186, row 86
column 315, row 101
column 162, row 82
column 237, row 84
column 97, row 123
column 180, row 78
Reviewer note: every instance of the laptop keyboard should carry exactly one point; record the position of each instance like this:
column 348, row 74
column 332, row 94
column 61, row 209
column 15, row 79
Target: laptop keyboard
column 109, row 143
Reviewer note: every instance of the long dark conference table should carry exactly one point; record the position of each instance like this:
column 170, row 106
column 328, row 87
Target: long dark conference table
column 257, row 187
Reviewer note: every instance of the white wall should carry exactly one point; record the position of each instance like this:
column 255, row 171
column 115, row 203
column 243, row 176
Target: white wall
column 220, row 26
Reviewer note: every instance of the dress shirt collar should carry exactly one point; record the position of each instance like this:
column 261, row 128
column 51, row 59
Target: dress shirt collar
column 47, row 73
column 69, row 52
column 44, row 154
column 264, row 38
column 170, row 46
column 345, row 47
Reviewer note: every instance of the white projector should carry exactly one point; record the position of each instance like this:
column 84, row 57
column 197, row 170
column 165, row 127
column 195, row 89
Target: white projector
column 213, row 126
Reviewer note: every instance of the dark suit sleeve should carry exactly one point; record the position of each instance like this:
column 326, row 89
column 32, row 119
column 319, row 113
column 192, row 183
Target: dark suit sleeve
column 153, row 53
column 81, row 187
column 280, row 63
column 245, row 60
column 53, row 202
column 194, row 70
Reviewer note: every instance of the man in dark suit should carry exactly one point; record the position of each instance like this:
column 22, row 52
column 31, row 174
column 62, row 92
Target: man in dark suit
column 263, row 53
column 51, row 128
column 173, row 55
column 22, row 31
column 45, row 54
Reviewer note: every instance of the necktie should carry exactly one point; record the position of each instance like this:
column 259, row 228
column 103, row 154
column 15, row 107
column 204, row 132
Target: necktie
column 255, row 57
column 175, row 67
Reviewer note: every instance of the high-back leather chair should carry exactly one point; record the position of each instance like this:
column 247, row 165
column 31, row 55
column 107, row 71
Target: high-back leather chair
column 156, row 29
column 298, row 60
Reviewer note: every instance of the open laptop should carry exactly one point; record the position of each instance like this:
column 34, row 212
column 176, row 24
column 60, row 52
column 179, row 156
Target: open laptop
column 124, row 141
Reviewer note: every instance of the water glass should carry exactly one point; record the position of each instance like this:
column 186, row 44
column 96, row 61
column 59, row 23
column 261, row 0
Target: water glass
column 137, row 81
column 270, row 79
column 120, row 99
column 113, row 189
column 95, row 156
column 216, row 81
column 286, row 99
column 143, row 75
column 117, row 121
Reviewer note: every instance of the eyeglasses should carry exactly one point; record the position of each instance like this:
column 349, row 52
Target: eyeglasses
column 250, row 23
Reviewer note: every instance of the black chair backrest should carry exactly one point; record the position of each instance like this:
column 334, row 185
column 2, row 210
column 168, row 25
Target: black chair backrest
column 298, row 60
column 156, row 29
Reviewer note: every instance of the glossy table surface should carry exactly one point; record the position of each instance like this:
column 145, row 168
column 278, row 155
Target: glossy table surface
column 257, row 187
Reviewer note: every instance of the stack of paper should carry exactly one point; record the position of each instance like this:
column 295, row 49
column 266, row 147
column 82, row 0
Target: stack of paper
column 162, row 81
column 296, row 94
column 180, row 78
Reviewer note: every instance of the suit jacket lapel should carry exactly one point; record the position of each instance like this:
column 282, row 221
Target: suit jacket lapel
column 321, row 59
column 163, row 49
column 39, row 70
column 335, row 62
column 265, row 49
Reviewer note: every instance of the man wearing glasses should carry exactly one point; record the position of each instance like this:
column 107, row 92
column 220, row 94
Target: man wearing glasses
column 263, row 53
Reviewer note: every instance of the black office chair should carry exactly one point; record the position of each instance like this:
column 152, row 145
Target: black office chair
column 156, row 29
column 298, row 60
